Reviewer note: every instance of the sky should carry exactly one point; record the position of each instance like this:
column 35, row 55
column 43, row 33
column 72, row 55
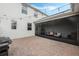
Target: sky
column 50, row 8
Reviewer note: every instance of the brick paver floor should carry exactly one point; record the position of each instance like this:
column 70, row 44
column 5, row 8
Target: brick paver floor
column 38, row 46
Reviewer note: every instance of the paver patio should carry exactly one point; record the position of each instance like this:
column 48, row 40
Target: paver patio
column 38, row 46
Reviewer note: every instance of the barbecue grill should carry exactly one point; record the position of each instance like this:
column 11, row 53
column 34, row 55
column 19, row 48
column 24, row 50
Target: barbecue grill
column 4, row 45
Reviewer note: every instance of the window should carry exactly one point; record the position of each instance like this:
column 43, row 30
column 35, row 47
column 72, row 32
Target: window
column 24, row 10
column 13, row 24
column 29, row 26
column 36, row 14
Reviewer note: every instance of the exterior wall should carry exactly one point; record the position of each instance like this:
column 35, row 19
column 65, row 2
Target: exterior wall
column 75, row 7
column 13, row 11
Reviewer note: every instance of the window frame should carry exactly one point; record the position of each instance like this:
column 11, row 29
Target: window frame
column 13, row 24
column 24, row 10
column 29, row 26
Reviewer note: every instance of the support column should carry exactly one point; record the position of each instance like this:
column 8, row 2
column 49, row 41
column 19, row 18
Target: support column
column 78, row 33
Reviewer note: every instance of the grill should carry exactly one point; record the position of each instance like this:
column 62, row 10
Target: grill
column 4, row 45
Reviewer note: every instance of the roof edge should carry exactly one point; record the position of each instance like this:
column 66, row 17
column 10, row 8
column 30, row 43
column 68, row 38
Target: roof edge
column 29, row 4
column 56, row 17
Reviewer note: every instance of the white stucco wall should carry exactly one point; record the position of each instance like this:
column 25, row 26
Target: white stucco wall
column 12, row 11
column 75, row 7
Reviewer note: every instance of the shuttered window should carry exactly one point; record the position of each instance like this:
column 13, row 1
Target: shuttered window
column 13, row 25
column 29, row 26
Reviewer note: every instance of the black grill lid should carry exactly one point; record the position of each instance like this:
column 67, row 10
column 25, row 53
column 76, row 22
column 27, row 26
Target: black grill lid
column 5, row 40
